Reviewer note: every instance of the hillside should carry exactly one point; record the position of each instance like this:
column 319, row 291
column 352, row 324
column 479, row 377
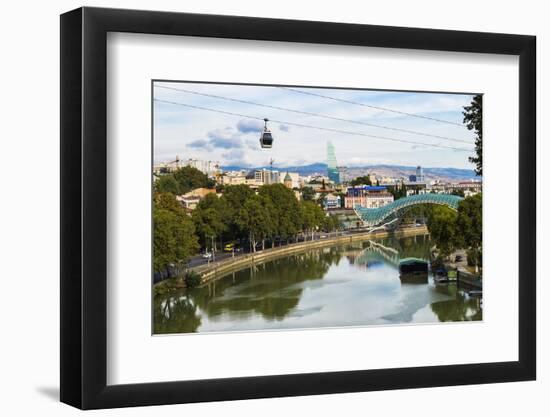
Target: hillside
column 436, row 173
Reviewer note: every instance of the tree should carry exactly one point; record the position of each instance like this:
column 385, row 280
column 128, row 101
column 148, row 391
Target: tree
column 313, row 217
column 209, row 219
column 473, row 118
column 255, row 219
column 167, row 184
column 398, row 191
column 363, row 180
column 234, row 197
column 286, row 210
column 469, row 226
column 331, row 223
column 174, row 239
column 166, row 201
column 183, row 180
column 189, row 178
column 164, row 243
column 459, row 193
column 442, row 227
column 308, row 193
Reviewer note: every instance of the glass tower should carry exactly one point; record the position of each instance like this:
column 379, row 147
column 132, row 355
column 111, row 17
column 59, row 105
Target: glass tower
column 332, row 166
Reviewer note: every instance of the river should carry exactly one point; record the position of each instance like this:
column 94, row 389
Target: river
column 346, row 285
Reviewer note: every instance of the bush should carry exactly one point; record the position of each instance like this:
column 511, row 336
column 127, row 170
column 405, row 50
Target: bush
column 438, row 262
column 192, row 279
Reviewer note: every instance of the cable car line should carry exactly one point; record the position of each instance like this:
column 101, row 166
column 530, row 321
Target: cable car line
column 346, row 132
column 372, row 106
column 314, row 114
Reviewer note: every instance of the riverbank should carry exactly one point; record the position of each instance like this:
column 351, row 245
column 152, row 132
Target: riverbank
column 217, row 269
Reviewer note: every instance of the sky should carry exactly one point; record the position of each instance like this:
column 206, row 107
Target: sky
column 233, row 139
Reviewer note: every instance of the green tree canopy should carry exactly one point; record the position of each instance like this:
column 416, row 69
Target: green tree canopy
column 174, row 239
column 183, row 180
column 209, row 218
column 442, row 227
column 331, row 223
column 167, row 184
column 308, row 193
column 256, row 219
column 473, row 118
column 365, row 179
column 190, row 178
column 286, row 210
column 469, row 222
column 398, row 191
column 234, row 197
column 313, row 216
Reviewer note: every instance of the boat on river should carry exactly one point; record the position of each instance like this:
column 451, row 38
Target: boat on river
column 413, row 266
column 413, row 271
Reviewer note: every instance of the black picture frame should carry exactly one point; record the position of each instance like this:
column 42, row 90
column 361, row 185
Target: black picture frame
column 84, row 207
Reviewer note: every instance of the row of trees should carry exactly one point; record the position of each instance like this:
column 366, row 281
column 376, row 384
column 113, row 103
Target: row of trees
column 461, row 229
column 273, row 215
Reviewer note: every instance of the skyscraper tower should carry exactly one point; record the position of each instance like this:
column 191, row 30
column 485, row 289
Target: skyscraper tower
column 332, row 166
column 419, row 174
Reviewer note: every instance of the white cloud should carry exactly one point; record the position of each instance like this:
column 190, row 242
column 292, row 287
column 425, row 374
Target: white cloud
column 194, row 133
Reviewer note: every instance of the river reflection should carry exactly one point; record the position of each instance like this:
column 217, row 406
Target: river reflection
column 350, row 285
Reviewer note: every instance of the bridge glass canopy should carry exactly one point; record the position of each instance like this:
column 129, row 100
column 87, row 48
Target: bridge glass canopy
column 376, row 216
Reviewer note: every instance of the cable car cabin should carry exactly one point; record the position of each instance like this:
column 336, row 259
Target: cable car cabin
column 266, row 140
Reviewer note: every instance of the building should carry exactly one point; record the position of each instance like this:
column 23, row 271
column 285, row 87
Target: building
column 192, row 198
column 294, row 178
column 233, row 178
column 287, row 181
column 420, row 174
column 344, row 173
column 331, row 202
column 367, row 196
column 266, row 176
column 469, row 188
column 210, row 168
column 332, row 166
column 167, row 167
column 413, row 188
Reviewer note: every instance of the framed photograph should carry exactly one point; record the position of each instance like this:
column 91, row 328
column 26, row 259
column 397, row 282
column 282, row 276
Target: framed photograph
column 256, row 208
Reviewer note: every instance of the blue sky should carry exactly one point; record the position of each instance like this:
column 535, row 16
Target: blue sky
column 234, row 140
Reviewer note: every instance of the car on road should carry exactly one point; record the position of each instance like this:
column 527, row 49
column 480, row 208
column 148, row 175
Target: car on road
column 207, row 255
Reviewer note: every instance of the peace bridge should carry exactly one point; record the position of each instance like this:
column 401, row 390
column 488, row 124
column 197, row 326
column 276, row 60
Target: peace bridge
column 381, row 216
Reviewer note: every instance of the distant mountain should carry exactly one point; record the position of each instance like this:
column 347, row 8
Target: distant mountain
column 302, row 170
column 450, row 174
